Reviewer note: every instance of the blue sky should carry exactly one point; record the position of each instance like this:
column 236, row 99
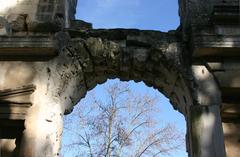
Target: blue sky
column 159, row 15
column 143, row 14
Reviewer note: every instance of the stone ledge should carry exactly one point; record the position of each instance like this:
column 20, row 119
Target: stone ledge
column 32, row 48
column 228, row 79
column 14, row 103
column 226, row 14
column 6, row 93
column 230, row 112
column 216, row 45
column 13, row 110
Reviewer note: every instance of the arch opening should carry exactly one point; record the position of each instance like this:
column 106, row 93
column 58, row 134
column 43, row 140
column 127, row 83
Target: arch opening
column 162, row 111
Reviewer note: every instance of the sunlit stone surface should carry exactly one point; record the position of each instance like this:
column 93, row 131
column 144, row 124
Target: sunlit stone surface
column 48, row 61
column 38, row 10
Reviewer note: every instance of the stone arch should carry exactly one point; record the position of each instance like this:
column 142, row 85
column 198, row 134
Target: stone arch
column 149, row 56
column 93, row 56
column 89, row 57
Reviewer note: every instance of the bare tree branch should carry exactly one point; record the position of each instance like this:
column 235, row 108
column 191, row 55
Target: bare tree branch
column 120, row 126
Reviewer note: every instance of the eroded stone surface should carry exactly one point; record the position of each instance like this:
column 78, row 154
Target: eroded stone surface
column 84, row 62
column 176, row 63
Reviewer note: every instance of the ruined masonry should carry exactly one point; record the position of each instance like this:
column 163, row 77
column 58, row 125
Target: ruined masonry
column 49, row 60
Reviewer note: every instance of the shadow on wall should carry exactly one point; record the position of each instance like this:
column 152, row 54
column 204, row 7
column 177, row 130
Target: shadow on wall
column 10, row 138
column 13, row 108
column 7, row 145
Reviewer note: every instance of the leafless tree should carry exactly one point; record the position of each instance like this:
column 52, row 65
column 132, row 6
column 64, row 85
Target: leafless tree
column 121, row 123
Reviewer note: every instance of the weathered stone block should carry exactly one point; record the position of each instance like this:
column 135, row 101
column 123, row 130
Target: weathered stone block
column 28, row 48
column 38, row 12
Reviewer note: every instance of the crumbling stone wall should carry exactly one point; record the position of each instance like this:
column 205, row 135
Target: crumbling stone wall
column 57, row 61
column 89, row 58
